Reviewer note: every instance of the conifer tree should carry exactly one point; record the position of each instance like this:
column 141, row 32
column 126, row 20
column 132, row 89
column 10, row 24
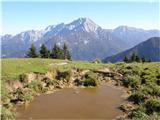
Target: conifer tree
column 60, row 53
column 66, row 53
column 126, row 59
column 149, row 60
column 143, row 59
column 53, row 51
column 44, row 52
column 56, row 52
column 137, row 59
column 32, row 52
column 133, row 57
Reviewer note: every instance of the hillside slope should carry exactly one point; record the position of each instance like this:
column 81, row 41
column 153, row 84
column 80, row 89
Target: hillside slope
column 149, row 49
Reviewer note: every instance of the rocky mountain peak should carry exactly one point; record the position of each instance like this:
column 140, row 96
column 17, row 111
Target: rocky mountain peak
column 85, row 23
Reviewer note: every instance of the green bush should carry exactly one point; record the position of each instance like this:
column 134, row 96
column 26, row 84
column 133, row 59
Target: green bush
column 35, row 85
column 137, row 97
column 19, row 93
column 155, row 116
column 132, row 81
column 139, row 115
column 50, row 82
column 148, row 76
column 22, row 78
column 28, row 96
column 152, row 89
column 97, row 61
column 90, row 80
column 153, row 105
column 133, row 69
column 5, row 97
column 65, row 75
column 156, row 90
column 121, row 64
column 78, row 82
column 6, row 114
column 24, row 95
column 141, row 107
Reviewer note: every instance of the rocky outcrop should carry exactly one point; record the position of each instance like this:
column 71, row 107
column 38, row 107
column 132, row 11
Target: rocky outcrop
column 63, row 79
column 29, row 77
column 13, row 85
column 108, row 72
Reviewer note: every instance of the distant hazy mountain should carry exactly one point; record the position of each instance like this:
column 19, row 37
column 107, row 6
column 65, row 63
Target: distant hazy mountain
column 149, row 48
column 86, row 40
column 133, row 36
column 16, row 46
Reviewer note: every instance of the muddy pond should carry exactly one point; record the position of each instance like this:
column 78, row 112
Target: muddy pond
column 80, row 103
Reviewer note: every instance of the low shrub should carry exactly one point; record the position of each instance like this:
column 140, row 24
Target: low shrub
column 139, row 115
column 5, row 97
column 137, row 97
column 132, row 81
column 65, row 75
column 150, row 90
column 50, row 82
column 148, row 77
column 78, row 82
column 19, row 93
column 6, row 114
column 97, row 61
column 155, row 116
column 122, row 64
column 35, row 85
column 141, row 107
column 22, row 78
column 23, row 95
column 153, row 105
column 127, row 107
column 90, row 80
column 28, row 96
column 133, row 69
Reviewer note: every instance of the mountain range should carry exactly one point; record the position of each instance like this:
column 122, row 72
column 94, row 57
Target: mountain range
column 150, row 49
column 86, row 40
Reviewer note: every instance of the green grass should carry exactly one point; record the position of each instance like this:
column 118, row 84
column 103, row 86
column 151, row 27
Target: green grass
column 12, row 68
column 140, row 78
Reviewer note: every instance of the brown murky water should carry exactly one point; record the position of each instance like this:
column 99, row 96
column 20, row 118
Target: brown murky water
column 82, row 103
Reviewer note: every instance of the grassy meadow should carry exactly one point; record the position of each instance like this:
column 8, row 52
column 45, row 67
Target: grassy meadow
column 142, row 79
column 13, row 67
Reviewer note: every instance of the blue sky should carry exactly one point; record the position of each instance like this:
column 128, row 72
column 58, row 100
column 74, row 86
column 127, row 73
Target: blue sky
column 21, row 16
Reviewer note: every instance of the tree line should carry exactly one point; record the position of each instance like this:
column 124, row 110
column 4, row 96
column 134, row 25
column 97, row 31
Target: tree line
column 56, row 52
column 136, row 58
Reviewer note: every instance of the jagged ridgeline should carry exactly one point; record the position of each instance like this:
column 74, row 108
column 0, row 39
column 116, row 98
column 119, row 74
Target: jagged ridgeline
column 85, row 39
